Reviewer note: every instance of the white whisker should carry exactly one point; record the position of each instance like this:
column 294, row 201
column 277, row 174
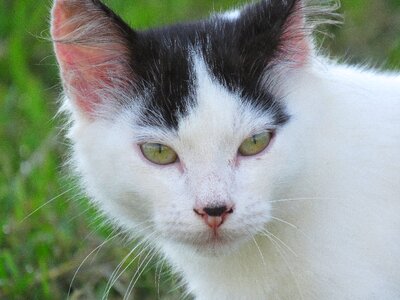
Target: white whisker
column 278, row 248
column 109, row 238
column 271, row 235
column 259, row 251
column 142, row 266
column 285, row 222
column 111, row 280
column 115, row 275
column 158, row 276
column 301, row 199
column 46, row 203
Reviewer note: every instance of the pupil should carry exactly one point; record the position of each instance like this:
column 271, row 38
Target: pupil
column 254, row 139
column 159, row 148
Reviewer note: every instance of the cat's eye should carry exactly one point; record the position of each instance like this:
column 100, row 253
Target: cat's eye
column 255, row 144
column 158, row 153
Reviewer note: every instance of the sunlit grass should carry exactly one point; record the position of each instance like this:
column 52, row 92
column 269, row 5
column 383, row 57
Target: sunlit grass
column 40, row 251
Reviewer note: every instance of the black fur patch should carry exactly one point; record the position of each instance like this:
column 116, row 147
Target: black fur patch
column 163, row 65
column 237, row 53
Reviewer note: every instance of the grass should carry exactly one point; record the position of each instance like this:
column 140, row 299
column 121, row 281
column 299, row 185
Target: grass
column 42, row 245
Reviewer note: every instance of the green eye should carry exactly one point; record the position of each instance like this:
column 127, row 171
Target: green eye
column 158, row 153
column 255, row 144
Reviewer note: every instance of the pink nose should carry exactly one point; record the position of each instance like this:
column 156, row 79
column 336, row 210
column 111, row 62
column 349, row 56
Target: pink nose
column 214, row 216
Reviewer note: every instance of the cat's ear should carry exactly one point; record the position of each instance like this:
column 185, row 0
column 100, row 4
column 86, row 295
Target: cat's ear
column 93, row 49
column 276, row 29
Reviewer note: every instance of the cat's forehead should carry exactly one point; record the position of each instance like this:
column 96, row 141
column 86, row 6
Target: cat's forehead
column 213, row 128
column 219, row 114
column 172, row 62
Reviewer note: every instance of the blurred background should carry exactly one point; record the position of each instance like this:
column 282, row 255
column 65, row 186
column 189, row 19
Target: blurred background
column 47, row 229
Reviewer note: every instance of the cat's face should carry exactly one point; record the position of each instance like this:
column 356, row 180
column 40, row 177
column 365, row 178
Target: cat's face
column 179, row 134
column 210, row 171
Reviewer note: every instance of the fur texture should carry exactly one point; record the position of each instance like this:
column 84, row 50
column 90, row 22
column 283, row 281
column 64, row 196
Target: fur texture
column 315, row 214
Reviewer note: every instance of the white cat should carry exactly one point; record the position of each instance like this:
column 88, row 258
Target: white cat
column 260, row 169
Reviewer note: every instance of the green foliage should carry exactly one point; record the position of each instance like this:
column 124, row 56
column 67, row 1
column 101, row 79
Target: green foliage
column 371, row 33
column 42, row 245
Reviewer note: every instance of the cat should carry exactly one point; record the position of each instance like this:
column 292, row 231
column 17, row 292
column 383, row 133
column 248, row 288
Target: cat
column 259, row 168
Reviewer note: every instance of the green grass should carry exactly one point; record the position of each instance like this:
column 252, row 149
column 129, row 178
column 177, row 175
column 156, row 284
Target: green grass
column 40, row 251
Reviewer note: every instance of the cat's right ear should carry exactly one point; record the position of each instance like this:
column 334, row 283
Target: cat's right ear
column 276, row 29
column 93, row 47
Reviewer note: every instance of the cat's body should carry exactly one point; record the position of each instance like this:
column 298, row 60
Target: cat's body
column 312, row 216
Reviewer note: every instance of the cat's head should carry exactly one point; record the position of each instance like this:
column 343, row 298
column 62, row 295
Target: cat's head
column 181, row 133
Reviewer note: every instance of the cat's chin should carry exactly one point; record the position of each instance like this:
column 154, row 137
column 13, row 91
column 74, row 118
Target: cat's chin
column 211, row 246
column 216, row 249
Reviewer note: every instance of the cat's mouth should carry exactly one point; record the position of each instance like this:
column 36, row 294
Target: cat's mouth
column 210, row 242
column 213, row 234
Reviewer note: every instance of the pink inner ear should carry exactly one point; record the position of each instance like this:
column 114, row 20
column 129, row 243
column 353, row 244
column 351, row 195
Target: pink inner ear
column 86, row 65
column 294, row 41
column 58, row 17
column 83, row 74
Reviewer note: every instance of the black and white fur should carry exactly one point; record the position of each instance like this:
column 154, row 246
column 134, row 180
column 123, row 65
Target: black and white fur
column 315, row 215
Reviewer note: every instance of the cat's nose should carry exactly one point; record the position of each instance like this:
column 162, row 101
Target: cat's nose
column 215, row 211
column 214, row 216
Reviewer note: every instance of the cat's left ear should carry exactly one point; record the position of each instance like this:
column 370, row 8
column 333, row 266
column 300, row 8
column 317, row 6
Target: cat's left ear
column 93, row 47
column 277, row 31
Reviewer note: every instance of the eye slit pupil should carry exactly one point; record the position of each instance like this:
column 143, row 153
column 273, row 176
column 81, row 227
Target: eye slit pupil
column 255, row 144
column 158, row 153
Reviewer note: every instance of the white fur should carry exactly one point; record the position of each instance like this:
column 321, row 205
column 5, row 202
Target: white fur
column 337, row 159
column 231, row 15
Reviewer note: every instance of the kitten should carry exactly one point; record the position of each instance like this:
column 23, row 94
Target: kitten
column 259, row 168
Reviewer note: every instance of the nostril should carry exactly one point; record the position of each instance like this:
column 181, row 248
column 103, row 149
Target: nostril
column 214, row 216
column 216, row 211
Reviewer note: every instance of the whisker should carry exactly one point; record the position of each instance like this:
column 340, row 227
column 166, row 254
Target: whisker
column 143, row 265
column 293, row 226
column 285, row 222
column 278, row 248
column 158, row 276
column 98, row 250
column 270, row 234
column 114, row 277
column 177, row 286
column 111, row 281
column 109, row 238
column 48, row 202
column 259, row 251
column 302, row 199
column 82, row 213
